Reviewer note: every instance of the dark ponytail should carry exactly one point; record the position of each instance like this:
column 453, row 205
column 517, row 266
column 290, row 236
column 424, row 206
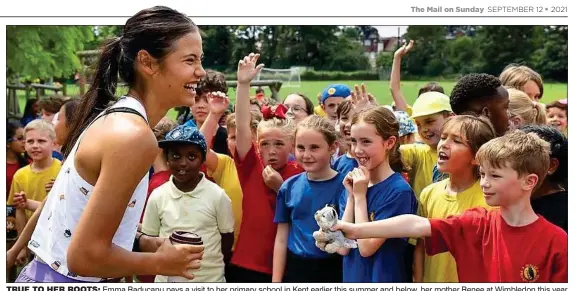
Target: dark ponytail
column 153, row 30
column 395, row 161
column 99, row 95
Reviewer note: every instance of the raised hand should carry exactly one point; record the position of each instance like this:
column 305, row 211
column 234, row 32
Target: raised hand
column 218, row 102
column 247, row 69
column 360, row 99
column 404, row 49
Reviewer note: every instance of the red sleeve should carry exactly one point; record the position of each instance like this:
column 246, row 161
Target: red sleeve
column 447, row 235
column 560, row 270
column 247, row 165
column 443, row 233
column 292, row 169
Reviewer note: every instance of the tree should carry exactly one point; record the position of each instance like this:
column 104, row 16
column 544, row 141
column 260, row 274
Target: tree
column 246, row 38
column 551, row 60
column 102, row 33
column 217, row 47
column 429, row 48
column 505, row 44
column 352, row 32
column 463, row 55
column 45, row 51
column 345, row 55
column 384, row 60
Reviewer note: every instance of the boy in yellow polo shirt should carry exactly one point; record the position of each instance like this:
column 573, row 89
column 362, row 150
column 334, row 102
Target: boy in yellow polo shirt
column 430, row 110
column 31, row 180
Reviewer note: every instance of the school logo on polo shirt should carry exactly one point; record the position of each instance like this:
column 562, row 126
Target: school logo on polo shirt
column 530, row 273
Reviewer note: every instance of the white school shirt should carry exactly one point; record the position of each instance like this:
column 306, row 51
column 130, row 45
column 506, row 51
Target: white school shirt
column 65, row 204
column 206, row 211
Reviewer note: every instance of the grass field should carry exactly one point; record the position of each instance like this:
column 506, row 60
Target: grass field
column 380, row 89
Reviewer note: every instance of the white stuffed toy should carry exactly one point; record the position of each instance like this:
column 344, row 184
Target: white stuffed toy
column 333, row 240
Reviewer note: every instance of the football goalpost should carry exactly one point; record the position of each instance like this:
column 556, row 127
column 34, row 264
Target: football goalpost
column 290, row 77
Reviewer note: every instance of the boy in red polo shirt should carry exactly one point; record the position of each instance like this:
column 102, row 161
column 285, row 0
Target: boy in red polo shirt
column 510, row 244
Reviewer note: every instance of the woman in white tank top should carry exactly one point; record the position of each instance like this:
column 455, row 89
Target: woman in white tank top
column 88, row 222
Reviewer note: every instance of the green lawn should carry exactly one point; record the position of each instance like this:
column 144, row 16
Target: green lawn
column 380, row 89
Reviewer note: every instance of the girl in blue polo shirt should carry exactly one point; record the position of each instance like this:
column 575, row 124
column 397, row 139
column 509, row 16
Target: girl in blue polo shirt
column 295, row 256
column 376, row 190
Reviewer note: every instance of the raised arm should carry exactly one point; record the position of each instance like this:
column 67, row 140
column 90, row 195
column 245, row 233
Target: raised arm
column 218, row 103
column 395, row 79
column 246, row 71
column 124, row 161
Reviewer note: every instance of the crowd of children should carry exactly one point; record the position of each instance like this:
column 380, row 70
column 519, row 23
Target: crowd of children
column 443, row 190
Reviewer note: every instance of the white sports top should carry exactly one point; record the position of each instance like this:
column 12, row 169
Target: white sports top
column 66, row 202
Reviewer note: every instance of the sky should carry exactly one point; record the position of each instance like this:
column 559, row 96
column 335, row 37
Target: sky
column 388, row 31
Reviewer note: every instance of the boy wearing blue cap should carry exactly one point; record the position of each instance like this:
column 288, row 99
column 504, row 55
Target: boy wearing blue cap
column 190, row 202
column 331, row 97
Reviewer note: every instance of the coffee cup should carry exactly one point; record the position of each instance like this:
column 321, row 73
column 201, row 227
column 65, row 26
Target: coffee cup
column 183, row 238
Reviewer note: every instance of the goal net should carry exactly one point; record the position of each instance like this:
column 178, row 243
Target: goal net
column 290, row 77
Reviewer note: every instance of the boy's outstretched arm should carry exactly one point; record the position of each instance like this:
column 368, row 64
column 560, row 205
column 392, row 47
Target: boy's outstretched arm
column 395, row 78
column 246, row 71
column 407, row 225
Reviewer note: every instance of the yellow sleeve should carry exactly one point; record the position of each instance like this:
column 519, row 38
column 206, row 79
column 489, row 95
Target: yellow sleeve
column 219, row 173
column 56, row 168
column 421, row 204
column 408, row 154
column 17, row 181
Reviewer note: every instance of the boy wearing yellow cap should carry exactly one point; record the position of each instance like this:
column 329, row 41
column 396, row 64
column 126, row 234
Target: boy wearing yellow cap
column 429, row 112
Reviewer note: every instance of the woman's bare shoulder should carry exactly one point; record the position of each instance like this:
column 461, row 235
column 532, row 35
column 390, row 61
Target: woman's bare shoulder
column 114, row 139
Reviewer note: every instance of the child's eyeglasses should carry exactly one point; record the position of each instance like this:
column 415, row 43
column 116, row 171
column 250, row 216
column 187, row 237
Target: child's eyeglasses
column 294, row 108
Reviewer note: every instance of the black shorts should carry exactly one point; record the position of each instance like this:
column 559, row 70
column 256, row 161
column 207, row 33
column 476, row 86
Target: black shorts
column 236, row 274
column 309, row 270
